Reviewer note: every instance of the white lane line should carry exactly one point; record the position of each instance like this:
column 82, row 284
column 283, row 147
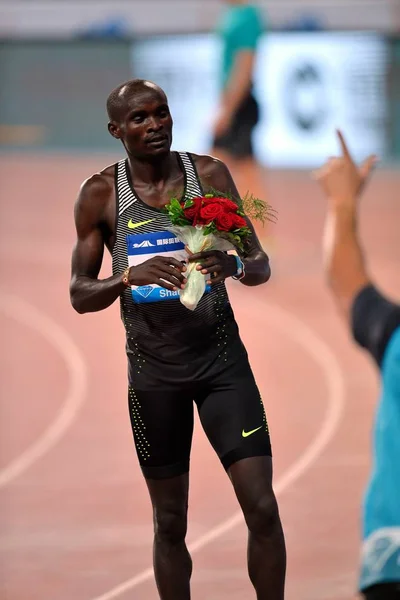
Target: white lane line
column 28, row 315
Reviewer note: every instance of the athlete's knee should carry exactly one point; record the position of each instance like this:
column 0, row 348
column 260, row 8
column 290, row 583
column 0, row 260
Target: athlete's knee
column 262, row 517
column 170, row 524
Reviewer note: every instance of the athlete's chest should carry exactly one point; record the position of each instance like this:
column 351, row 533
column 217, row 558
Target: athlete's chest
column 140, row 218
column 156, row 197
column 141, row 209
column 134, row 217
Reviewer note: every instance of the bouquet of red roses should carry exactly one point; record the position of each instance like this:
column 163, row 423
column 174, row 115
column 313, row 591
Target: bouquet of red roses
column 211, row 222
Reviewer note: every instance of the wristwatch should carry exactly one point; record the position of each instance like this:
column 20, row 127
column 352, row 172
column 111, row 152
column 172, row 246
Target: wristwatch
column 240, row 269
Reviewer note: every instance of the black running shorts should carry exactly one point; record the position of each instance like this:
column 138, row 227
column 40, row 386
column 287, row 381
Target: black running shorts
column 231, row 412
column 238, row 139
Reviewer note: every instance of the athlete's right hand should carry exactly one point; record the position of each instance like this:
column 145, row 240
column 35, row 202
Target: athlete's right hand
column 164, row 271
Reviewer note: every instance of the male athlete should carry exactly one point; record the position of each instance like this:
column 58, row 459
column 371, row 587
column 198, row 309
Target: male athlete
column 177, row 356
column 375, row 324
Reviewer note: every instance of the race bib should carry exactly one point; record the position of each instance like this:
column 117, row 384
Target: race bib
column 142, row 247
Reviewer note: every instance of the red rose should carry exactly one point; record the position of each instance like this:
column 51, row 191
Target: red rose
column 225, row 221
column 193, row 211
column 227, row 204
column 210, row 211
column 239, row 222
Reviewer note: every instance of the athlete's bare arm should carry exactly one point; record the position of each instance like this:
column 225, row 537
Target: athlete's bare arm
column 214, row 174
column 93, row 222
column 87, row 292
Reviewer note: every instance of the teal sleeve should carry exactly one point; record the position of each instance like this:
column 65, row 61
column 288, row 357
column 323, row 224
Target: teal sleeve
column 249, row 31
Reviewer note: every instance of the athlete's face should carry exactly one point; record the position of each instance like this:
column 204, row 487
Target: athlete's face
column 145, row 126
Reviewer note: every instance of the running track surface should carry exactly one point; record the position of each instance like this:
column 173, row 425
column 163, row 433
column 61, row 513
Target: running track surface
column 75, row 519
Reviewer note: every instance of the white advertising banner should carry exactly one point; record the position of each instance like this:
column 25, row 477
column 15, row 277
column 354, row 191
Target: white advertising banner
column 306, row 84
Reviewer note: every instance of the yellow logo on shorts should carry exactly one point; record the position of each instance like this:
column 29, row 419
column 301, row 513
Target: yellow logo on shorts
column 247, row 433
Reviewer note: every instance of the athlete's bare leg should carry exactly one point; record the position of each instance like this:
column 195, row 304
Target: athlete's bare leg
column 172, row 562
column 252, row 481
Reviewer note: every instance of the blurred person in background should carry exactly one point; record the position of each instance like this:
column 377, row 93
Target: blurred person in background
column 374, row 321
column 240, row 29
column 176, row 356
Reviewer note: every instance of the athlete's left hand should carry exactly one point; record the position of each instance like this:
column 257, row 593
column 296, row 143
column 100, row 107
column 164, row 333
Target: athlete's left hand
column 219, row 264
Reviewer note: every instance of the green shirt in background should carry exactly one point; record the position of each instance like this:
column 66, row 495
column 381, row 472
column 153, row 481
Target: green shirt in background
column 240, row 29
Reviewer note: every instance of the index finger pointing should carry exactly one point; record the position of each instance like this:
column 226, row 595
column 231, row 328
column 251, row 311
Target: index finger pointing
column 343, row 145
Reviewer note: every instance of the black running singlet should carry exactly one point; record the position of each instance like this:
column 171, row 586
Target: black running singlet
column 167, row 344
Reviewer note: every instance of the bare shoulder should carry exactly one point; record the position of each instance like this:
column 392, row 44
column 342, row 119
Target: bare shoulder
column 214, row 173
column 208, row 165
column 95, row 194
column 98, row 186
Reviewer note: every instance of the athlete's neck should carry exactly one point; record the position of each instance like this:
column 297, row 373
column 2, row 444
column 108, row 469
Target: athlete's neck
column 152, row 172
